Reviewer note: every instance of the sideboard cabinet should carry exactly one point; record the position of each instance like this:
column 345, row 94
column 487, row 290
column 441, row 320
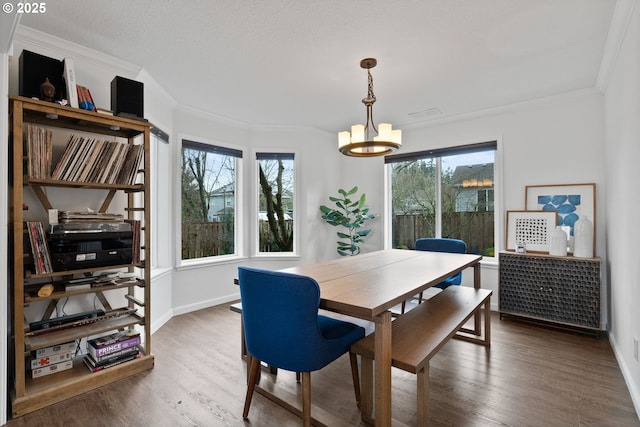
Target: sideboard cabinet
column 563, row 290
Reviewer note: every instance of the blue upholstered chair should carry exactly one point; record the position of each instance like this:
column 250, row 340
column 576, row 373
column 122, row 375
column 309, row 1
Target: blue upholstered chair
column 282, row 328
column 441, row 245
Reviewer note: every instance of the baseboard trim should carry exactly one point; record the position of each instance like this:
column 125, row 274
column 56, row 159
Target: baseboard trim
column 626, row 374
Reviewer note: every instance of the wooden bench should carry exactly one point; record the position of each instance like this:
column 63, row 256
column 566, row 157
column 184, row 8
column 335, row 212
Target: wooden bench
column 418, row 335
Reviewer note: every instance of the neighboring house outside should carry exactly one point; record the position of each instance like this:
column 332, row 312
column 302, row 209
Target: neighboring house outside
column 221, row 202
column 474, row 184
column 287, row 204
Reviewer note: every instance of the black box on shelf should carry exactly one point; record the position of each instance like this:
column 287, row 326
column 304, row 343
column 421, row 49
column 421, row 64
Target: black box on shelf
column 127, row 98
column 34, row 69
column 74, row 251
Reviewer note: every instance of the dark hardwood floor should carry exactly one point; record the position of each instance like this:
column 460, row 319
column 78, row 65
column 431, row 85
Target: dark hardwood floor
column 532, row 376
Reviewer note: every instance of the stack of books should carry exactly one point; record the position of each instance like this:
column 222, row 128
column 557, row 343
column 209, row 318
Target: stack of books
column 93, row 160
column 39, row 151
column 49, row 360
column 39, row 248
column 111, row 350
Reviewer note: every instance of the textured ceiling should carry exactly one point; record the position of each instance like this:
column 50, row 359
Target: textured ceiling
column 296, row 62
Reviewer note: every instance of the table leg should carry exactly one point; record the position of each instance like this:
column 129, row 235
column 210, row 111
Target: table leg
column 477, row 322
column 382, row 392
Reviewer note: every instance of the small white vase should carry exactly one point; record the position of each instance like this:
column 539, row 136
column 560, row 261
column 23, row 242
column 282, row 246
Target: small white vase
column 558, row 242
column 583, row 238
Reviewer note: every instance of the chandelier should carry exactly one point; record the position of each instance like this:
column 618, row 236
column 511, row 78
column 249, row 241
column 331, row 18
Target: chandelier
column 367, row 140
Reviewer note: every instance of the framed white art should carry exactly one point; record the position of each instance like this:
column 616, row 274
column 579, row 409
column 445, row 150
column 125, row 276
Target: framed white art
column 531, row 229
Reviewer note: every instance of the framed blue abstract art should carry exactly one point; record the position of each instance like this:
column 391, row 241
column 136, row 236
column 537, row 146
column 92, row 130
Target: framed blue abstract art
column 570, row 201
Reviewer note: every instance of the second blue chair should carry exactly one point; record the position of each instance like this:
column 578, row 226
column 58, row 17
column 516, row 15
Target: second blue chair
column 282, row 328
column 433, row 244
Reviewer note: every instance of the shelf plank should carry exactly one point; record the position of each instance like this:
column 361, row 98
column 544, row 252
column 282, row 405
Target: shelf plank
column 82, row 271
column 45, row 391
column 83, row 290
column 71, row 334
column 81, row 184
column 41, row 112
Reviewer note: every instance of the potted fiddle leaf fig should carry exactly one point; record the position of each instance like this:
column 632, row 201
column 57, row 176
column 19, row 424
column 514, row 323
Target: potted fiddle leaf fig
column 351, row 214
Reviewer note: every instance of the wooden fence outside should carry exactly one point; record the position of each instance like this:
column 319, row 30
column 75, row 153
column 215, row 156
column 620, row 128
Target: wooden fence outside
column 203, row 239
column 475, row 228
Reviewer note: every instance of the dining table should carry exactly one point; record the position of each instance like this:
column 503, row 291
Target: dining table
column 369, row 285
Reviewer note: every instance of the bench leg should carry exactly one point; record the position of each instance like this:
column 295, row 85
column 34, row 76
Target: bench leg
column 243, row 346
column 477, row 337
column 423, row 396
column 487, row 322
column 366, row 388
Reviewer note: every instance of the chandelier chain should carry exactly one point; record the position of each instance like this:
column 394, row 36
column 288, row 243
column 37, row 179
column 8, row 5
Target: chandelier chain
column 371, row 98
column 368, row 102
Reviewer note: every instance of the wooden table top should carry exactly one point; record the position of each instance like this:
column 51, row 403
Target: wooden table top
column 370, row 284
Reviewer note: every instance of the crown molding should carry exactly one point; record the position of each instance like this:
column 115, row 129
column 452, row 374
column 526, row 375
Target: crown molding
column 617, row 33
column 504, row 109
column 196, row 112
column 156, row 88
column 60, row 49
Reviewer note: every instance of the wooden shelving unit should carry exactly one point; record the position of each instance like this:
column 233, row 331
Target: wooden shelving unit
column 30, row 394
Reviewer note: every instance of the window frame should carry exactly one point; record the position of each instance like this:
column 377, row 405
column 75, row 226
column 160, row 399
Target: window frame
column 256, row 205
column 437, row 154
column 238, row 229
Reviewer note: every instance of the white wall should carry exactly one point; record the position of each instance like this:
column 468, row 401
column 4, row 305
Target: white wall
column 4, row 231
column 622, row 110
column 8, row 23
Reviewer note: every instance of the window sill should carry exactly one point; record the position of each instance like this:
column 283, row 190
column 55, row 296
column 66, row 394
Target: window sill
column 209, row 262
column 489, row 262
column 276, row 256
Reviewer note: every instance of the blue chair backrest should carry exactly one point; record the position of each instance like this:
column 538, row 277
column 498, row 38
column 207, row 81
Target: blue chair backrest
column 280, row 315
column 455, row 246
column 441, row 245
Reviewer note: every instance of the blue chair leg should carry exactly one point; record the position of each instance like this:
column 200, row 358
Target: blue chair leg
column 251, row 385
column 306, row 399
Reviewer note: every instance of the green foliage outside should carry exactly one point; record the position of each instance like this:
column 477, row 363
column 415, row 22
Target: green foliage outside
column 202, row 172
column 414, row 207
column 275, row 180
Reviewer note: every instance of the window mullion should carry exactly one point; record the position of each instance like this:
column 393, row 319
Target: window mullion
column 438, row 230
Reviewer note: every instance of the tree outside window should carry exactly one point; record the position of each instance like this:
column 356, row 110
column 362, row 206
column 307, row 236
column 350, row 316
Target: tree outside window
column 208, row 200
column 444, row 193
column 276, row 202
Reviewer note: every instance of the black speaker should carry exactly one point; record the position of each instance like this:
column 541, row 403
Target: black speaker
column 34, row 69
column 127, row 97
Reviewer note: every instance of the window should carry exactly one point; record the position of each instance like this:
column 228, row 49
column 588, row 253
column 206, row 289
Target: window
column 160, row 215
column 209, row 200
column 276, row 190
column 443, row 193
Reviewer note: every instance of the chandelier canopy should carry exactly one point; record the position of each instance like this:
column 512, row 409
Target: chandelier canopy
column 367, row 140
